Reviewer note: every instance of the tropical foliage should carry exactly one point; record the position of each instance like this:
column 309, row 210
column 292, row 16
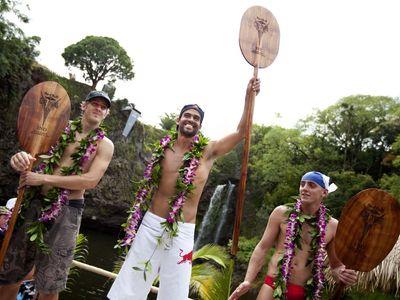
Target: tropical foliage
column 211, row 273
column 80, row 254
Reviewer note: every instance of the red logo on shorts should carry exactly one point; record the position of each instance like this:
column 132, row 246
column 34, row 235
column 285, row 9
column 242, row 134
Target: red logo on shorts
column 185, row 257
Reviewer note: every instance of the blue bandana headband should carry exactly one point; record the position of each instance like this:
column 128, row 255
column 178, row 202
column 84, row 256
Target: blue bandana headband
column 320, row 179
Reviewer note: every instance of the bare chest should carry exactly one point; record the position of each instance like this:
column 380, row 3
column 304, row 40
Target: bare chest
column 173, row 162
column 66, row 159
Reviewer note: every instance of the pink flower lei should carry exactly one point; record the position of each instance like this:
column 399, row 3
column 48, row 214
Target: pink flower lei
column 150, row 182
column 315, row 285
column 57, row 197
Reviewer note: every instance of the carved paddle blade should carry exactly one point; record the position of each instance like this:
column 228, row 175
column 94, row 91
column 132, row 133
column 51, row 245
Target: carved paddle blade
column 259, row 34
column 368, row 229
column 43, row 115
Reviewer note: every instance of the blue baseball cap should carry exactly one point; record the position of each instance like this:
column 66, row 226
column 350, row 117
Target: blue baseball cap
column 99, row 94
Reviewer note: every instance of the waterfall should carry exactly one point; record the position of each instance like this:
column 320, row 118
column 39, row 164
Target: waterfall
column 209, row 221
column 225, row 210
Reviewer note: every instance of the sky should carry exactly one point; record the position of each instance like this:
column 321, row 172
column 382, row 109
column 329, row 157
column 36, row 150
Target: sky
column 187, row 51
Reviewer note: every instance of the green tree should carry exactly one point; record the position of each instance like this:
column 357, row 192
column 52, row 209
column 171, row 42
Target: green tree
column 361, row 128
column 168, row 121
column 17, row 53
column 278, row 159
column 99, row 57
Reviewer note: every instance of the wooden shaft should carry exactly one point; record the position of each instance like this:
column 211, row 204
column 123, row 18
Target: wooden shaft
column 103, row 272
column 11, row 224
column 13, row 220
column 245, row 161
column 243, row 176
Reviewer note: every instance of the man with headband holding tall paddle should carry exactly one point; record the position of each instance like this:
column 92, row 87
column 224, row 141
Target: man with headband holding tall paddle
column 54, row 201
column 161, row 223
column 302, row 233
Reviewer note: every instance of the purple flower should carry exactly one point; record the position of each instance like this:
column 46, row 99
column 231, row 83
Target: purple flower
column 55, row 208
column 165, row 141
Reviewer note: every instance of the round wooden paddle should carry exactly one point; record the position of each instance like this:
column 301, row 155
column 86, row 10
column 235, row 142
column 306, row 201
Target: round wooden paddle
column 43, row 115
column 259, row 43
column 367, row 231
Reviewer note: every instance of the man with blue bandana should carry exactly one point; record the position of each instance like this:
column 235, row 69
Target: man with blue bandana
column 289, row 270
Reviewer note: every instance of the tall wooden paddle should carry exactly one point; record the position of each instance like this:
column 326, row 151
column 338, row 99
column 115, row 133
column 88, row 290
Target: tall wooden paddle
column 43, row 115
column 367, row 231
column 259, row 43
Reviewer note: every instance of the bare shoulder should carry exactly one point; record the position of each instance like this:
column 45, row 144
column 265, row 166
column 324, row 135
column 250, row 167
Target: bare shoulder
column 331, row 229
column 333, row 222
column 106, row 146
column 106, row 143
column 279, row 212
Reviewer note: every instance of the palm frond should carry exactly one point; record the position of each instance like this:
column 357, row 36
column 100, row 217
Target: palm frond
column 211, row 273
column 222, row 283
column 202, row 280
column 80, row 254
column 213, row 253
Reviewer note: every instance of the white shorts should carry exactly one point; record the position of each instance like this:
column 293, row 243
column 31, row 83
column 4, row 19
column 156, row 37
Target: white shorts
column 171, row 260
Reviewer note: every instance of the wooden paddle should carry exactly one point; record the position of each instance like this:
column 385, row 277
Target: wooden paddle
column 367, row 231
column 43, row 115
column 259, row 43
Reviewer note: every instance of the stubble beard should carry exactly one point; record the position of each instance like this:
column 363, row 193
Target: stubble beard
column 188, row 134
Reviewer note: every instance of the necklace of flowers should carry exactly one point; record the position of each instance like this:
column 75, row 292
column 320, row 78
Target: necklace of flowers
column 151, row 179
column 314, row 285
column 56, row 197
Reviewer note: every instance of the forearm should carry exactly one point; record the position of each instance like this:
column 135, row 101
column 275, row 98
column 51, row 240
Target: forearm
column 255, row 264
column 72, row 182
column 249, row 101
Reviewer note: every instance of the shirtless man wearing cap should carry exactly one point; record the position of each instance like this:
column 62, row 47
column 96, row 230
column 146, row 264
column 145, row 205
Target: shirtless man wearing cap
column 51, row 269
column 299, row 255
column 171, row 258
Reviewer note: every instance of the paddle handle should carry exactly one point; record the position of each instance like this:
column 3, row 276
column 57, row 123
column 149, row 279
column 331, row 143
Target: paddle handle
column 13, row 219
column 243, row 176
column 245, row 160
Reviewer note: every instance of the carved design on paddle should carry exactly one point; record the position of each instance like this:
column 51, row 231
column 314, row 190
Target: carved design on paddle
column 49, row 102
column 261, row 26
column 372, row 215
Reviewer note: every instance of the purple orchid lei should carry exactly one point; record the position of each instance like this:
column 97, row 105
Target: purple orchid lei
column 57, row 197
column 293, row 233
column 150, row 182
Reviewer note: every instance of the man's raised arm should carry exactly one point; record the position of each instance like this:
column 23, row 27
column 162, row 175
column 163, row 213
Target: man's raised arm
column 226, row 144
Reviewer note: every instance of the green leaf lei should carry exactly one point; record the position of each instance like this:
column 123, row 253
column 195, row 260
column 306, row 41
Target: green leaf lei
column 55, row 198
column 280, row 287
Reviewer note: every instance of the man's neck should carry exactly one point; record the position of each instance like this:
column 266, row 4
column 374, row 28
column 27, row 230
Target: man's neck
column 184, row 142
column 87, row 127
column 310, row 209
